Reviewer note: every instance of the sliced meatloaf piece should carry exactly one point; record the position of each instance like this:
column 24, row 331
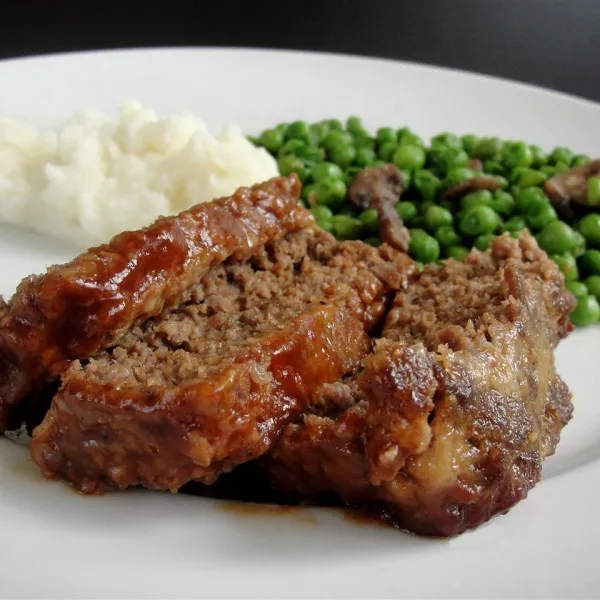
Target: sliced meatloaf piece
column 448, row 421
column 212, row 382
column 77, row 309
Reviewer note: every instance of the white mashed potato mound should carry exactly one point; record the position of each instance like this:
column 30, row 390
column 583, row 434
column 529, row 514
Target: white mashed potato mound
column 92, row 177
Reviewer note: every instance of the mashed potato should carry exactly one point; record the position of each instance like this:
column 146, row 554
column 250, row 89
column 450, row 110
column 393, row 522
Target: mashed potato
column 92, row 177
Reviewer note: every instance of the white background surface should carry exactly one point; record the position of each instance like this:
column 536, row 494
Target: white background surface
column 140, row 544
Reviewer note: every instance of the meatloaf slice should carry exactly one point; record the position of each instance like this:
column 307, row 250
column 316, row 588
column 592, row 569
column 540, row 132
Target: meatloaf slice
column 211, row 383
column 448, row 421
column 77, row 309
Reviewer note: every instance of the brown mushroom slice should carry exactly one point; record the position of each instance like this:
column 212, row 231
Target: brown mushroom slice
column 475, row 164
column 380, row 188
column 570, row 187
column 483, row 182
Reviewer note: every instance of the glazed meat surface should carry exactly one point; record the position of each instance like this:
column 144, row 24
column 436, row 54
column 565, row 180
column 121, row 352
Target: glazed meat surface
column 211, row 383
column 78, row 309
column 448, row 421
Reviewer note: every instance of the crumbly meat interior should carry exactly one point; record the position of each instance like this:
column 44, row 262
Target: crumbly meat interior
column 233, row 306
column 210, row 384
column 448, row 421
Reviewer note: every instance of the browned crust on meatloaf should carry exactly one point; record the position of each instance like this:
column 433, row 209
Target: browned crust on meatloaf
column 210, row 384
column 473, row 343
column 77, row 309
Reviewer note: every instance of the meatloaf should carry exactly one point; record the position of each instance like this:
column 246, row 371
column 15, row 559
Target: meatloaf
column 448, row 421
column 211, row 383
column 78, row 309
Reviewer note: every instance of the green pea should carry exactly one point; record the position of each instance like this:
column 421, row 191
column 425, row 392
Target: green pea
column 346, row 227
column 567, row 265
column 475, row 199
column 580, row 160
column 538, row 216
column 330, row 192
column 309, row 154
column 516, row 154
column 448, row 140
column 469, row 142
column 427, row 184
column 503, row 203
column 299, row 130
column 271, row 139
column 436, row 216
column 457, row 175
column 409, row 157
column 354, row 125
column 446, row 158
column 487, row 147
column 410, row 138
column 292, row 164
column 373, row 241
column 457, row 252
column 556, row 238
column 590, row 262
column 291, row 147
column 337, row 138
column 343, row 155
column 493, row 167
column 386, row 135
column 364, row 157
column 319, row 131
column 407, row 211
column 593, row 191
column 446, row 236
column 502, row 181
column 335, row 125
column 364, row 141
column 589, row 227
column 326, row 170
column 580, row 246
column 420, row 266
column 515, row 224
column 586, row 312
column 593, row 285
column 530, row 177
column 478, row 220
column 370, row 220
column 386, row 151
column 282, row 128
column 423, row 247
column 321, row 213
column 578, row 288
column 561, row 155
column 539, row 157
column 529, row 196
column 483, row 242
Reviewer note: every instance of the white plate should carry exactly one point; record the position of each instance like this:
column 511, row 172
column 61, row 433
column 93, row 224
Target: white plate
column 141, row 544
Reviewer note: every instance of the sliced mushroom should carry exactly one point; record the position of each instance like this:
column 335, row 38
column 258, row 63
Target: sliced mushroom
column 475, row 164
column 380, row 188
column 570, row 187
column 484, row 182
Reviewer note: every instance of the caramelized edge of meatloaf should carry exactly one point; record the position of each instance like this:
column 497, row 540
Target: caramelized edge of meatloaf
column 77, row 309
column 447, row 422
column 211, row 383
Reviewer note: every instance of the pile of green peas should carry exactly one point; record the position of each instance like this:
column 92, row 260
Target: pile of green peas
column 328, row 154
